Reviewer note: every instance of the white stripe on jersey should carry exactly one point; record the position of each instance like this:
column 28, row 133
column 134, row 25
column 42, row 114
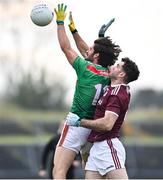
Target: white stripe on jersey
column 115, row 90
column 112, row 112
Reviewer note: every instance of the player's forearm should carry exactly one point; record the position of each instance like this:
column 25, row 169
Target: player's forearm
column 81, row 44
column 63, row 39
column 97, row 125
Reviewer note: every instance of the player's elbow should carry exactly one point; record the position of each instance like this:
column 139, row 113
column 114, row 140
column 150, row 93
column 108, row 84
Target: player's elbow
column 105, row 128
column 109, row 121
column 109, row 127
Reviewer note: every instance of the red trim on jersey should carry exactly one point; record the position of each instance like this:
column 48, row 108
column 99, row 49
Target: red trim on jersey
column 97, row 71
column 114, row 154
column 63, row 135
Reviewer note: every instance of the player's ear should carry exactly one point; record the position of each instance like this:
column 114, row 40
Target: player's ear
column 96, row 58
column 122, row 74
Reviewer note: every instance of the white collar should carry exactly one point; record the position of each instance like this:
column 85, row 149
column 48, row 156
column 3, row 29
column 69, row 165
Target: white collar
column 115, row 85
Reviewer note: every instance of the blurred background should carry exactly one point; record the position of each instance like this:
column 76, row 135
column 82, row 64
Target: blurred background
column 37, row 83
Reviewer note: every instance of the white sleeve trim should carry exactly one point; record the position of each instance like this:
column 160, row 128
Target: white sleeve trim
column 112, row 113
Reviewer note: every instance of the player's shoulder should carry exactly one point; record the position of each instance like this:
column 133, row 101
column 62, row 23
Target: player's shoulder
column 79, row 60
column 120, row 90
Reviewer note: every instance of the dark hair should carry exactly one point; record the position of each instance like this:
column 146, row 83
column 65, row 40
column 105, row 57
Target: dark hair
column 108, row 51
column 131, row 70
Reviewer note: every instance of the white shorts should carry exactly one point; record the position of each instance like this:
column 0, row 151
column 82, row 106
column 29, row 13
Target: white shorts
column 73, row 137
column 106, row 156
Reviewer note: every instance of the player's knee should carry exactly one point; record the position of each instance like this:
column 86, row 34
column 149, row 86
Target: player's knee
column 58, row 173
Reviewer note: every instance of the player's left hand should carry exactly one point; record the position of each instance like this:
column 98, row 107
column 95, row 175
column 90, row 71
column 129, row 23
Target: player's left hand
column 72, row 24
column 73, row 119
column 104, row 27
column 60, row 13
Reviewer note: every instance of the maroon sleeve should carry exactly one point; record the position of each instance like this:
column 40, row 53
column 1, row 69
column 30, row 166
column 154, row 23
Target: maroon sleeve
column 113, row 104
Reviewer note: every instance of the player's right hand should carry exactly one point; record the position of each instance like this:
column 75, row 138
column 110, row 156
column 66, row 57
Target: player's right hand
column 72, row 24
column 104, row 28
column 73, row 119
column 60, row 13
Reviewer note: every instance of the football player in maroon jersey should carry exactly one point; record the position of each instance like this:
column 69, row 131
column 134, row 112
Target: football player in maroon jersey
column 107, row 155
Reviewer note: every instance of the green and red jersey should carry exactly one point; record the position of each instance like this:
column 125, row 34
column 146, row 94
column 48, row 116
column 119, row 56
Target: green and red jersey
column 91, row 82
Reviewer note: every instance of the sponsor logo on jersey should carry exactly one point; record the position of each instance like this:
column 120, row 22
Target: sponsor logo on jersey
column 97, row 71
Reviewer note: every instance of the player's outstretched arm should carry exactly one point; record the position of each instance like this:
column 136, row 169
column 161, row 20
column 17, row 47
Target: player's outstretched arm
column 103, row 124
column 80, row 43
column 62, row 36
column 104, row 28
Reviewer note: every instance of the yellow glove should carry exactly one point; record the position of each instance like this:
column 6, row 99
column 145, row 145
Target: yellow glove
column 72, row 24
column 61, row 13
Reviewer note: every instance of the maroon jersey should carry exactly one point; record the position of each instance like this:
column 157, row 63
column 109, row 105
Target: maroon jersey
column 116, row 100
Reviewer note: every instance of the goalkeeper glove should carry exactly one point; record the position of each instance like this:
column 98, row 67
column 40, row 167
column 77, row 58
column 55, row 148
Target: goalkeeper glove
column 72, row 24
column 60, row 13
column 104, row 28
column 73, row 119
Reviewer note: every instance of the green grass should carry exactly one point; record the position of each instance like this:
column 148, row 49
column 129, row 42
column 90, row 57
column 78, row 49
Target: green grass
column 17, row 139
column 26, row 117
column 145, row 114
column 9, row 112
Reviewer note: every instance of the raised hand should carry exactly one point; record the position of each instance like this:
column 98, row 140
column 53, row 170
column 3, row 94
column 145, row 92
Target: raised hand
column 72, row 24
column 104, row 27
column 60, row 13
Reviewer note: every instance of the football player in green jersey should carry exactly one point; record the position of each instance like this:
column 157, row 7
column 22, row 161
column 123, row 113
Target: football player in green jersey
column 92, row 77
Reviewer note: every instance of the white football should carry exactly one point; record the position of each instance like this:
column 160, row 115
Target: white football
column 41, row 15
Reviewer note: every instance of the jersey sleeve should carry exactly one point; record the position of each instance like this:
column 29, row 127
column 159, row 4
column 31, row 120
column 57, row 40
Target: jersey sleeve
column 113, row 104
column 80, row 65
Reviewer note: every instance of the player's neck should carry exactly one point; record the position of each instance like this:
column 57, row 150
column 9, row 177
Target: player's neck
column 117, row 81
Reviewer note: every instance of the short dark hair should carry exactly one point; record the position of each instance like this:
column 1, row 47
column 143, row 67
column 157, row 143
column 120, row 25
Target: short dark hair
column 131, row 70
column 108, row 51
